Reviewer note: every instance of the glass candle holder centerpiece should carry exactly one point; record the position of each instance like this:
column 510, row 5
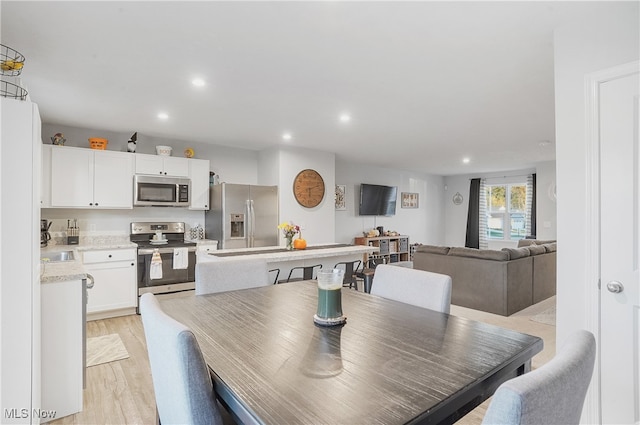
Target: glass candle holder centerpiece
column 329, row 311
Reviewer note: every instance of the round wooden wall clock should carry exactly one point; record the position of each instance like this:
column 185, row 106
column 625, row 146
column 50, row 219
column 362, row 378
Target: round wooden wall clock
column 308, row 188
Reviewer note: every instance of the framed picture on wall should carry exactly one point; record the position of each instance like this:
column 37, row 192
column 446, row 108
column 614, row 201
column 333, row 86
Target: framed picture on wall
column 409, row 200
column 341, row 191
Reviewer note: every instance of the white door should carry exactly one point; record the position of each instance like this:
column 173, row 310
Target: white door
column 619, row 251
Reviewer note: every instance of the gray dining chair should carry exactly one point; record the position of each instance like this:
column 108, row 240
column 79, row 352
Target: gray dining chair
column 552, row 394
column 181, row 381
column 230, row 275
column 412, row 286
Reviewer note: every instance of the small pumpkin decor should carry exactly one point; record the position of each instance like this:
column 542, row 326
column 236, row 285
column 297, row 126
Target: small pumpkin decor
column 299, row 243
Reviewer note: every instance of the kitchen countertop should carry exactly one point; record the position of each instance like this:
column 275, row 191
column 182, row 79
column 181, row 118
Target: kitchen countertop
column 281, row 254
column 60, row 271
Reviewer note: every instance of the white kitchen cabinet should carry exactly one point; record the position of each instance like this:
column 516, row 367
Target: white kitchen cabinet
column 45, row 188
column 115, row 289
column 199, row 175
column 20, row 337
column 63, row 345
column 87, row 178
column 162, row 165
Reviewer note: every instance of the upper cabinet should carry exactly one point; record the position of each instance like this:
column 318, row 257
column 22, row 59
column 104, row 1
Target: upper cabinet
column 86, row 178
column 199, row 175
column 162, row 165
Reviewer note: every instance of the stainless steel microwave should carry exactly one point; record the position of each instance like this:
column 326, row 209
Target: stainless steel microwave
column 154, row 191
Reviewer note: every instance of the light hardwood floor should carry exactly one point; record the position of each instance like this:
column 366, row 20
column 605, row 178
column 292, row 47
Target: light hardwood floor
column 121, row 392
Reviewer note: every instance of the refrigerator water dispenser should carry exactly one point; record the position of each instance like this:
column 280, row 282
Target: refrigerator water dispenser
column 237, row 225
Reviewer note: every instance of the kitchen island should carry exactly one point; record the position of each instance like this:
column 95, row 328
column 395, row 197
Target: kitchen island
column 278, row 257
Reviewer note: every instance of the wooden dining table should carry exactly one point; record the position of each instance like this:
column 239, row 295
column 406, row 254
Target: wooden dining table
column 390, row 363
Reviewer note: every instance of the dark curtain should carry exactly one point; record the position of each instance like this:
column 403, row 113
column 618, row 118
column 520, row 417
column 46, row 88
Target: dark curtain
column 533, row 206
column 473, row 217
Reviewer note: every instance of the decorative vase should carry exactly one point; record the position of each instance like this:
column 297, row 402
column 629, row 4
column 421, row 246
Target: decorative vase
column 289, row 242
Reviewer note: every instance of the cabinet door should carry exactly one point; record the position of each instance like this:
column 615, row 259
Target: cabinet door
column 62, row 338
column 71, row 177
column 113, row 180
column 149, row 164
column 114, row 288
column 199, row 175
column 178, row 167
column 45, row 176
column 162, row 165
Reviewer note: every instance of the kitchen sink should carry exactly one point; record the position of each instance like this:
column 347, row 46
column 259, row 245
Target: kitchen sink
column 54, row 257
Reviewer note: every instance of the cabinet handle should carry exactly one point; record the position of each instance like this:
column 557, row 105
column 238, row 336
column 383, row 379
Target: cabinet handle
column 133, row 264
column 91, row 281
column 91, row 203
column 110, row 255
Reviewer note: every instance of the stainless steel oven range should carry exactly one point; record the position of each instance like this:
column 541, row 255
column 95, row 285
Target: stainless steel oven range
column 166, row 240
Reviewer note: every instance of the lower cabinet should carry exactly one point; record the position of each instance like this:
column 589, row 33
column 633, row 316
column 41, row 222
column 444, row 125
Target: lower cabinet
column 115, row 291
column 62, row 344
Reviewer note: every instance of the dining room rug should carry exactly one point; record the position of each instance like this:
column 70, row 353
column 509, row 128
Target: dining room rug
column 548, row 316
column 105, row 349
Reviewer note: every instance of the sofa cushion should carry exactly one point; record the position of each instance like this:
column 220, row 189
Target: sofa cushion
column 527, row 242
column 485, row 254
column 551, row 247
column 515, row 253
column 433, row 249
column 536, row 249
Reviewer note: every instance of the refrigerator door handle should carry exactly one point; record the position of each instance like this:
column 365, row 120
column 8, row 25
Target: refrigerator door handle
column 252, row 221
column 247, row 224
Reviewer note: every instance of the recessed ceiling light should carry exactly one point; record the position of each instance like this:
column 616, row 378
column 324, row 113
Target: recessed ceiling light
column 287, row 136
column 466, row 160
column 163, row 116
column 198, row 82
column 345, row 117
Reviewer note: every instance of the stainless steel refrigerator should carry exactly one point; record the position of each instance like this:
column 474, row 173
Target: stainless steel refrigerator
column 242, row 216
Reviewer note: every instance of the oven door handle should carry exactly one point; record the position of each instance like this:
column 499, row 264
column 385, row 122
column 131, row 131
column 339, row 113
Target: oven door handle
column 146, row 251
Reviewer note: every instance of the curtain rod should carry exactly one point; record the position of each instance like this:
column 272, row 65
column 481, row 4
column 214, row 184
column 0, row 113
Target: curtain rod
column 503, row 177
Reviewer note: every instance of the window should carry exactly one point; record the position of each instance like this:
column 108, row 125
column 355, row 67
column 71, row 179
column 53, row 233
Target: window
column 506, row 211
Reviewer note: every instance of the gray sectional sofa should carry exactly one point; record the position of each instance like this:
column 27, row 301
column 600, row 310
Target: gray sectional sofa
column 500, row 282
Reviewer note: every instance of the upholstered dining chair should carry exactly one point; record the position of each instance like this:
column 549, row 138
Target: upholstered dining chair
column 552, row 394
column 181, row 381
column 412, row 286
column 230, row 275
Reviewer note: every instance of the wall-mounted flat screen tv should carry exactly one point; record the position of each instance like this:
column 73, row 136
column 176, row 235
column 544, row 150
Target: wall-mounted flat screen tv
column 377, row 199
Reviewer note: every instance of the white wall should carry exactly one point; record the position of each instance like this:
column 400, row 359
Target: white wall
column 455, row 221
column 423, row 224
column 116, row 222
column 317, row 223
column 607, row 38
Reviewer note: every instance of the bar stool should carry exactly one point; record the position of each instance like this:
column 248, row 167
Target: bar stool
column 277, row 274
column 350, row 268
column 307, row 273
column 366, row 273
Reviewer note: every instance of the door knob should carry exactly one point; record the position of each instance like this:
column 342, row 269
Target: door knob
column 615, row 287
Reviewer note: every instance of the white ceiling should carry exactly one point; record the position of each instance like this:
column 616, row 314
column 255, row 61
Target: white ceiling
column 426, row 83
